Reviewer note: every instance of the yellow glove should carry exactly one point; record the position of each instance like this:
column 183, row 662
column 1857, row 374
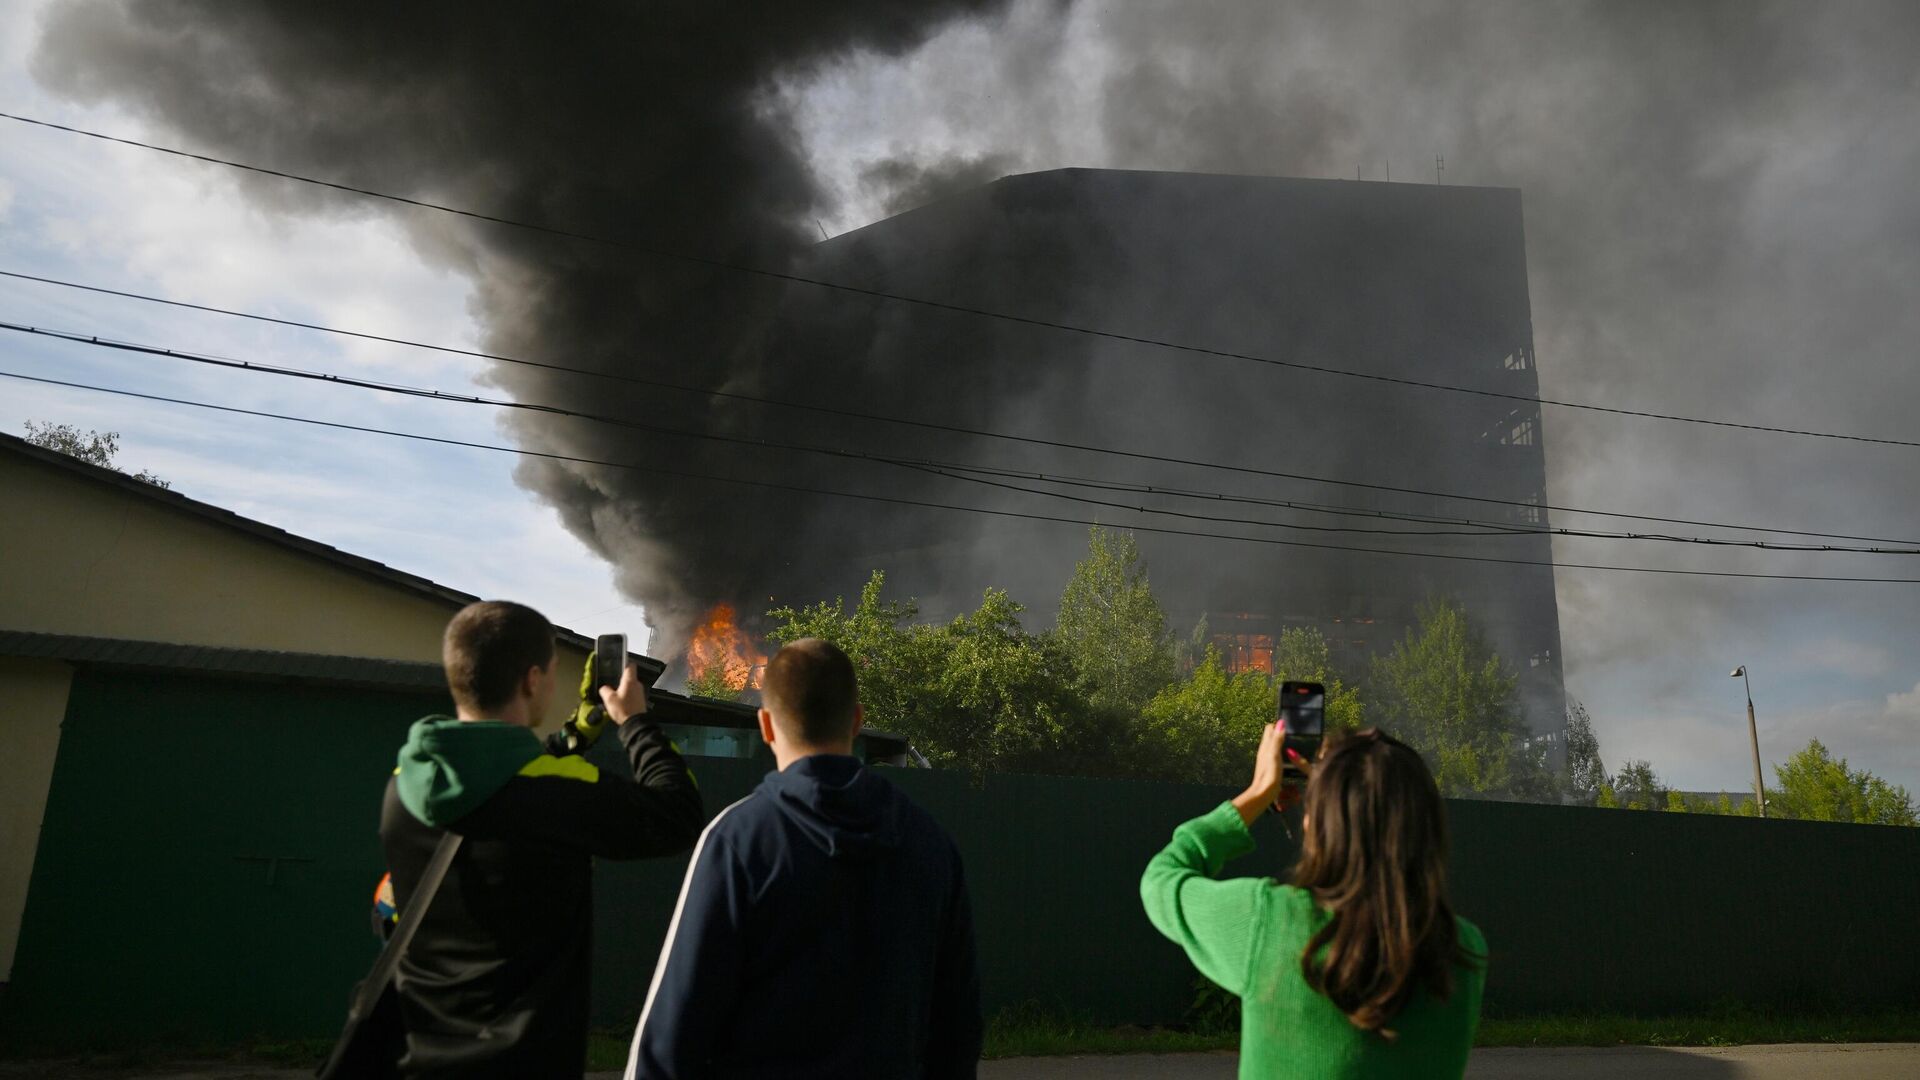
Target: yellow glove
column 579, row 731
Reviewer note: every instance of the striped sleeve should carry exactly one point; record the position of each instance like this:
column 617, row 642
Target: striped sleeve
column 696, row 981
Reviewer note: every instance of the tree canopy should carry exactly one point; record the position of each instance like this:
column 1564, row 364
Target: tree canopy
column 93, row 447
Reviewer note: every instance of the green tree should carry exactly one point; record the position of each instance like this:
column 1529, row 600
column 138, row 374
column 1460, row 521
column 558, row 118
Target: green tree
column 1112, row 628
column 1445, row 692
column 1302, row 653
column 978, row 693
column 1638, row 788
column 714, row 682
column 1586, row 773
column 1206, row 727
column 1815, row 786
column 93, row 447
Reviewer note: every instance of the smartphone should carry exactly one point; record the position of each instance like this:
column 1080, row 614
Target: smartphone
column 609, row 659
column 1303, row 707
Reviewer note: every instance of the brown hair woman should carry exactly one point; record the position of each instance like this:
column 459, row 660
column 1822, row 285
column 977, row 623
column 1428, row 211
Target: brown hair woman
column 1359, row 968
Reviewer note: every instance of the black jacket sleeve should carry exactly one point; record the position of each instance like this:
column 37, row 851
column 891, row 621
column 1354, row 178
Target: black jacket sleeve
column 957, row 1029
column 568, row 802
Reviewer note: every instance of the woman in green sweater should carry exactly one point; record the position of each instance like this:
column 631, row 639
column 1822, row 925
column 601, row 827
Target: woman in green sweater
column 1358, row 968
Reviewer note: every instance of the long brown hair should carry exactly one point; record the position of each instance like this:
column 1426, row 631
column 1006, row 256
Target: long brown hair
column 1374, row 856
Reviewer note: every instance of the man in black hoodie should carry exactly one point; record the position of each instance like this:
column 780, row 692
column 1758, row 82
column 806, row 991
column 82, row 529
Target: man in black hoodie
column 823, row 928
column 495, row 984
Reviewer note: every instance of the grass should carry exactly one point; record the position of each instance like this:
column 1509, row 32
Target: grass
column 1033, row 1032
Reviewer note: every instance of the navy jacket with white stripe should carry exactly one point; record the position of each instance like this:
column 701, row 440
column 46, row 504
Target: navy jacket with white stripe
column 823, row 930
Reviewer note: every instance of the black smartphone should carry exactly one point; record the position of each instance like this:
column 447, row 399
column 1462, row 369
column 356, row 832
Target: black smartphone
column 1303, row 707
column 609, row 659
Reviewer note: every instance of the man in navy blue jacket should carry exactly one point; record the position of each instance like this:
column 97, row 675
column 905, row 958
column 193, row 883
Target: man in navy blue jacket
column 823, row 928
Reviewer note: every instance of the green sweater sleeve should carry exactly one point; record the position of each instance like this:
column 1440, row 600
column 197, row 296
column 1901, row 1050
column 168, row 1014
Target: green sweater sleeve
column 1212, row 920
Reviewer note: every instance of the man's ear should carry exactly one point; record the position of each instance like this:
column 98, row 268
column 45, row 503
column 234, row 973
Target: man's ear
column 859, row 719
column 766, row 727
column 530, row 682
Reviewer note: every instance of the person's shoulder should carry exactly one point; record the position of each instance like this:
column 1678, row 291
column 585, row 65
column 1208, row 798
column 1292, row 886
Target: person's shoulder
column 740, row 817
column 1470, row 936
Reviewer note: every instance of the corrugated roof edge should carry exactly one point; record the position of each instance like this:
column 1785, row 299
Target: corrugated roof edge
column 219, row 515
column 243, row 663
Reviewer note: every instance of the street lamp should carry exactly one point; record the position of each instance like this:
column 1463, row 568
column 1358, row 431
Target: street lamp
column 1753, row 733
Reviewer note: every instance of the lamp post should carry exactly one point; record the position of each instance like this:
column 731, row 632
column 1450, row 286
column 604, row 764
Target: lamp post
column 1753, row 734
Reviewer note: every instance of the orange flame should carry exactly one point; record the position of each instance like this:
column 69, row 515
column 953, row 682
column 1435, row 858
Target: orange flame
column 721, row 649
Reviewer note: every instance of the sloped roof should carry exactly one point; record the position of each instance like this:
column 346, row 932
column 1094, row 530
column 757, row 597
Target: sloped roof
column 356, row 564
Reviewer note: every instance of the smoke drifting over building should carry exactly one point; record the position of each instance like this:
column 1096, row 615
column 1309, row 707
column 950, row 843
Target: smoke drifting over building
column 1719, row 221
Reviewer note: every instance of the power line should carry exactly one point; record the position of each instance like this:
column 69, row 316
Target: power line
column 964, row 309
column 990, row 434
column 1266, row 540
column 1906, row 548
column 952, row 471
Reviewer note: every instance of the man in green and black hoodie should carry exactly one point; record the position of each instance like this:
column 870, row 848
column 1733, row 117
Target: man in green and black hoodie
column 495, row 983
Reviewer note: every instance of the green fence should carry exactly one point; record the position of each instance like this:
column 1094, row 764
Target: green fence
column 209, row 850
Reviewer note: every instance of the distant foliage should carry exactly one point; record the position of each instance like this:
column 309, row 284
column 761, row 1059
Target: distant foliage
column 1207, row 726
column 1586, row 773
column 979, row 693
column 1638, row 788
column 1112, row 628
column 1444, row 691
column 93, row 447
column 1815, row 786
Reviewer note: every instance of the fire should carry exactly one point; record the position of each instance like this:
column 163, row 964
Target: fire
column 721, row 652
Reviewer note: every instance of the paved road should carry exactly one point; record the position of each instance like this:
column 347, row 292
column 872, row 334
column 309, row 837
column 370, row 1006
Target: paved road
column 1851, row 1061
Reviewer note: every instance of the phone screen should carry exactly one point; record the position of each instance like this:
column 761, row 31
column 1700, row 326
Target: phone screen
column 609, row 659
column 1303, row 705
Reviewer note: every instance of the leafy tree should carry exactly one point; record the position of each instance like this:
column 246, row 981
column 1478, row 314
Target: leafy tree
column 1586, row 773
column 1814, row 785
column 1445, row 692
column 892, row 658
column 1302, row 653
column 93, row 447
column 1206, row 727
column 714, row 682
column 1111, row 627
column 1638, row 788
column 1606, row 798
column 979, row 693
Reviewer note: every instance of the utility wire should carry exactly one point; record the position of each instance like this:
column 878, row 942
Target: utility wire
column 1266, row 540
column 940, row 305
column 988, row 434
column 958, row 472
column 923, row 466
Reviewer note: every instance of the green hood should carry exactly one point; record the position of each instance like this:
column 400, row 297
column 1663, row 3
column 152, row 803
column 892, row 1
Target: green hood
column 449, row 767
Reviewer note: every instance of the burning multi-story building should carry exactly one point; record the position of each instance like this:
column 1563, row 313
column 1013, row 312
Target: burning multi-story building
column 1402, row 281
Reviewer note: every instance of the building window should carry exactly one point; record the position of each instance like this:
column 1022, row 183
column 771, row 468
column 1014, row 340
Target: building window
column 1245, row 652
column 1519, row 359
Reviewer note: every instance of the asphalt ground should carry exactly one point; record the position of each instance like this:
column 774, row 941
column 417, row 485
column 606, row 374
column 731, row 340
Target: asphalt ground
column 1793, row 1061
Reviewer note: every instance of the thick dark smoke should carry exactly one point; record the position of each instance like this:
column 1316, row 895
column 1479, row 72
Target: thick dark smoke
column 1719, row 208
column 651, row 124
column 1721, row 221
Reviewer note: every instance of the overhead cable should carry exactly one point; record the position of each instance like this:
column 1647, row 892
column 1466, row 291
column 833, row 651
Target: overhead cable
column 965, row 309
column 960, row 508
